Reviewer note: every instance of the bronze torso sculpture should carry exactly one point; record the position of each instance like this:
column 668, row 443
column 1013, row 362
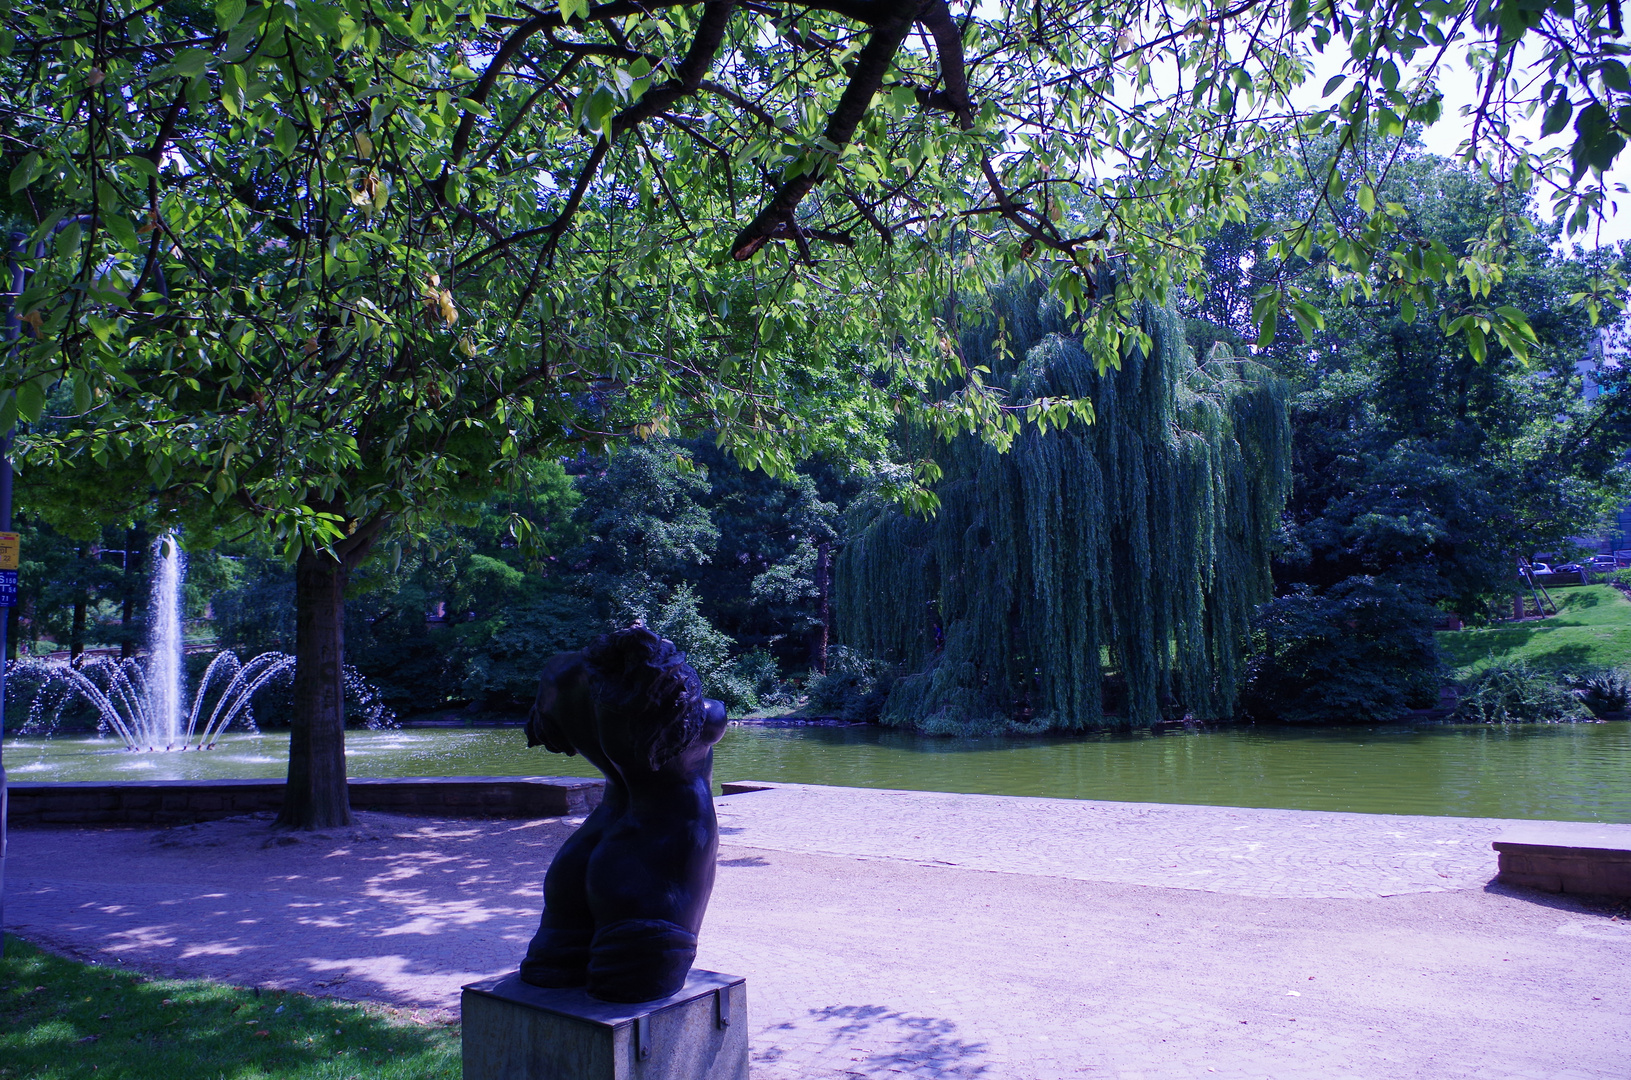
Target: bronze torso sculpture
column 625, row 895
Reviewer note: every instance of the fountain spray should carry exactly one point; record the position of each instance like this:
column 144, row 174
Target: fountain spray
column 165, row 645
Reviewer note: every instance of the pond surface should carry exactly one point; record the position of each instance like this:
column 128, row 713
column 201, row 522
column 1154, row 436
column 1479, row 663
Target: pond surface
column 1579, row 772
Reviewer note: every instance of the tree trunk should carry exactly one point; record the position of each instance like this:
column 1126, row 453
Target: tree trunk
column 823, row 584
column 76, row 636
column 316, row 795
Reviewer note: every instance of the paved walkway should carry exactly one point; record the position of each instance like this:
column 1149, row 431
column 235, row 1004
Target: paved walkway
column 1243, row 852
column 904, row 934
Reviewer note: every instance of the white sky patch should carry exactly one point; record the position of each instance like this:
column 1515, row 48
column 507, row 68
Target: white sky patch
column 1459, row 85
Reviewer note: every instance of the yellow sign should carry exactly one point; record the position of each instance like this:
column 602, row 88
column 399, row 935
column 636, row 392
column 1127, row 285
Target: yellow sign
column 10, row 548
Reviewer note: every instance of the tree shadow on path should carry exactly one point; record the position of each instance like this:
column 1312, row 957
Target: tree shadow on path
column 874, row 1040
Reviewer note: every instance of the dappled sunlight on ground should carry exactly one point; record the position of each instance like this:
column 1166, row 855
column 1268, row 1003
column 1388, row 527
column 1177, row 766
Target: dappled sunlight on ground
column 893, row 934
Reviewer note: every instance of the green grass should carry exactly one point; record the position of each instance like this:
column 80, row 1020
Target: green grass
column 60, row 1019
column 1592, row 629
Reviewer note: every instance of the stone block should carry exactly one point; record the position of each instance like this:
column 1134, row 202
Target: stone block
column 81, row 801
column 513, row 1031
column 1567, row 857
column 204, row 800
column 73, row 817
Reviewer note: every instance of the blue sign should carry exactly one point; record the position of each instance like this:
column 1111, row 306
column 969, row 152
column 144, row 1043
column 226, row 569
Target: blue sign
column 8, row 588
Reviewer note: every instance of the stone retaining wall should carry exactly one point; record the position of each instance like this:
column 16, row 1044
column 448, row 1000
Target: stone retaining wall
column 1567, row 857
column 174, row 802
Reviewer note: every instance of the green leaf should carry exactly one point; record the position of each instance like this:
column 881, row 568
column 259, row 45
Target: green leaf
column 286, row 137
column 228, row 13
column 8, row 413
column 139, row 164
column 1332, row 83
column 1615, row 77
column 1267, row 328
column 1475, row 343
column 598, row 111
column 27, row 171
column 1596, row 143
column 120, row 228
column 68, row 242
column 1366, row 199
column 30, row 401
column 1557, row 116
column 190, row 63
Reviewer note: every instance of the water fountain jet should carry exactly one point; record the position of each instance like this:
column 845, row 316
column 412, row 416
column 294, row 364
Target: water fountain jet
column 143, row 703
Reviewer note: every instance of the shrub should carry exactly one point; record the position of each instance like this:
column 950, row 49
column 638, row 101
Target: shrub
column 853, row 688
column 1362, row 652
column 1512, row 692
column 1605, row 693
column 759, row 670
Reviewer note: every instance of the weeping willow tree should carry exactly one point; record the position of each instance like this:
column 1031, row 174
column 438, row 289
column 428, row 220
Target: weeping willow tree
column 1102, row 574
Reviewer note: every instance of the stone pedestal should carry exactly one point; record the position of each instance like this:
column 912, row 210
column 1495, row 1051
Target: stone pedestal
column 514, row 1031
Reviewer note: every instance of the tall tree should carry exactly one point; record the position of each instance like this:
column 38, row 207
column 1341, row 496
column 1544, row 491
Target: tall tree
column 304, row 260
column 1416, row 459
column 1128, row 553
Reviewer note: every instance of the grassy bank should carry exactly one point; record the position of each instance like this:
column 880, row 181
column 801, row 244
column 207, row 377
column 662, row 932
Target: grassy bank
column 1592, row 629
column 60, row 1019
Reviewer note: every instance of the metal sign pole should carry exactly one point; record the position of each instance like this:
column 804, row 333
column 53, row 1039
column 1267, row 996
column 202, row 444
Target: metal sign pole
column 13, row 330
column 5, row 624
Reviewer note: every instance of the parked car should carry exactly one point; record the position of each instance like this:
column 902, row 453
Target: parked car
column 1602, row 564
column 1568, row 568
column 1537, row 567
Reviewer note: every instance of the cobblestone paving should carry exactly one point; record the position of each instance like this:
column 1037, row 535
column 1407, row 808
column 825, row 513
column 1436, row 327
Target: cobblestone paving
column 888, row 935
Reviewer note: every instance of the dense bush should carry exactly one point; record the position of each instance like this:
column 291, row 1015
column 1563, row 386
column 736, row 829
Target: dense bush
column 1361, row 652
column 854, row 687
column 1605, row 693
column 759, row 670
column 1512, row 692
column 679, row 618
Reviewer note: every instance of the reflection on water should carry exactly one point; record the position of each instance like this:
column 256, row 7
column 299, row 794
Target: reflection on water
column 1576, row 772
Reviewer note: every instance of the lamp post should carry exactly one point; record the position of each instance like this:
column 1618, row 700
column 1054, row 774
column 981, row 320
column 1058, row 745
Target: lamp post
column 13, row 327
column 5, row 622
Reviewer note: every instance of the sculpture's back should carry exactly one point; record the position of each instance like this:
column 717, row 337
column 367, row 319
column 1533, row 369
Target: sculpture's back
column 625, row 896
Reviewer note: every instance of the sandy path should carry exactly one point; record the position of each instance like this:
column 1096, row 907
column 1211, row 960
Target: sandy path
column 888, row 934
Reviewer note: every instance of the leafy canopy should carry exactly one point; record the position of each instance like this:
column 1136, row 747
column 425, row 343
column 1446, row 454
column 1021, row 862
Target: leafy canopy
column 327, row 263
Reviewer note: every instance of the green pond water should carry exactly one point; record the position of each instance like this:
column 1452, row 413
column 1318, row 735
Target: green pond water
column 1579, row 772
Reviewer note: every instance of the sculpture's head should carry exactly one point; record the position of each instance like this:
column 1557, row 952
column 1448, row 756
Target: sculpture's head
column 563, row 705
column 648, row 700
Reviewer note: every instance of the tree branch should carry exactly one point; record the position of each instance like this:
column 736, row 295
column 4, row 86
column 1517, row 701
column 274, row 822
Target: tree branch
column 871, row 65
